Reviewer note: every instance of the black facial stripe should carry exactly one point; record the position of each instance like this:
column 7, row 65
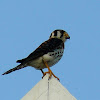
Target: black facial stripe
column 61, row 35
column 55, row 33
column 51, row 35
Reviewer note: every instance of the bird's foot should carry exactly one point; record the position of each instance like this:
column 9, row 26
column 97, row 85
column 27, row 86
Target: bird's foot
column 51, row 73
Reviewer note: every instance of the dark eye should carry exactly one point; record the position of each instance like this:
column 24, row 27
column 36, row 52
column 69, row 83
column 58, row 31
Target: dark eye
column 62, row 31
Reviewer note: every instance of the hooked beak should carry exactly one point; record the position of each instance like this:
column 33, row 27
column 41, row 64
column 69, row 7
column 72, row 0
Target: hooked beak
column 68, row 37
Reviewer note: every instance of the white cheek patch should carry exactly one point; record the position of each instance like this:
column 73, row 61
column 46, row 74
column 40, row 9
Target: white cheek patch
column 52, row 34
column 58, row 34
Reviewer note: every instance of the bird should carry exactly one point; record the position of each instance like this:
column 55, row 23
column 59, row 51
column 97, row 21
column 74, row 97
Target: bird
column 46, row 55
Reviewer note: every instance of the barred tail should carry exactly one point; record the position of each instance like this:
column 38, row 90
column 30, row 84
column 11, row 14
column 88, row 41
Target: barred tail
column 14, row 69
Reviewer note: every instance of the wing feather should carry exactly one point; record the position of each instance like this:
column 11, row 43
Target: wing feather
column 47, row 46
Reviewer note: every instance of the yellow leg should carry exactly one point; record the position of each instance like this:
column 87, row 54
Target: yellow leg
column 49, row 71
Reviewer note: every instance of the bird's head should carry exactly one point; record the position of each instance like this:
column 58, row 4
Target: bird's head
column 60, row 34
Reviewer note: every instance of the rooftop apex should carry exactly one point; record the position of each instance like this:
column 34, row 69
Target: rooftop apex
column 48, row 90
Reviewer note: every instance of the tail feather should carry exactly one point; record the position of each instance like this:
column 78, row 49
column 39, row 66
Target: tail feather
column 14, row 69
column 21, row 61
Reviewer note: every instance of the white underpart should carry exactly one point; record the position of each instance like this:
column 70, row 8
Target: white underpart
column 51, row 58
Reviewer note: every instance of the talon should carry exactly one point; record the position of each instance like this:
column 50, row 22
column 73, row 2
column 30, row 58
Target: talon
column 56, row 77
column 49, row 71
column 44, row 74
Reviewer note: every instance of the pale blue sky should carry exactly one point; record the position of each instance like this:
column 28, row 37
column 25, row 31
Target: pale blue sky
column 25, row 24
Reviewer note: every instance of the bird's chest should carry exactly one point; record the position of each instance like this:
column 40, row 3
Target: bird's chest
column 57, row 54
column 53, row 57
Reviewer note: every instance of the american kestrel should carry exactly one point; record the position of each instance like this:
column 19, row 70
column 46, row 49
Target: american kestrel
column 46, row 55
